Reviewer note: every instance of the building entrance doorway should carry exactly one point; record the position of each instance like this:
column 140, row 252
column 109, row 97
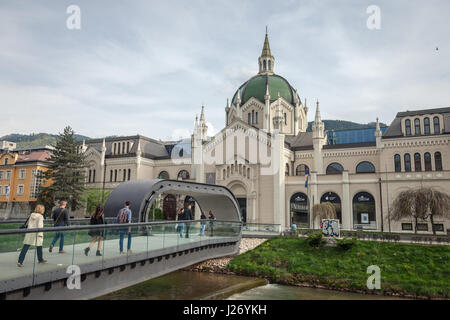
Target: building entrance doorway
column 243, row 206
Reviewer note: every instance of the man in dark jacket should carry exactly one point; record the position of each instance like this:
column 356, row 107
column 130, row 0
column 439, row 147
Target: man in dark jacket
column 187, row 216
column 60, row 219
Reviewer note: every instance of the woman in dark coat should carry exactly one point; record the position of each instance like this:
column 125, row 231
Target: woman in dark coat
column 211, row 218
column 96, row 234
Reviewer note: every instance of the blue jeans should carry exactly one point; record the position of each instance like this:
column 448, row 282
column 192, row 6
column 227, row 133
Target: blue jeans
column 25, row 250
column 122, row 235
column 181, row 229
column 202, row 230
column 61, row 242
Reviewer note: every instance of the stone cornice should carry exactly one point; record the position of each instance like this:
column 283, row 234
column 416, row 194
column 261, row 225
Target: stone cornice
column 416, row 142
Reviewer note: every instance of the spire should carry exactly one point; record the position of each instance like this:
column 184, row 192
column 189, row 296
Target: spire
column 266, row 47
column 266, row 60
column 227, row 108
column 377, row 129
column 202, row 115
column 139, row 151
column 317, row 119
column 104, row 145
column 238, row 99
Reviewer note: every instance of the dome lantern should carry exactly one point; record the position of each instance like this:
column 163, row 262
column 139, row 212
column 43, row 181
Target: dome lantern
column 266, row 60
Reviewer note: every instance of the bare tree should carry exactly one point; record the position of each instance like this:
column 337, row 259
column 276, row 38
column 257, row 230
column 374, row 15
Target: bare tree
column 324, row 210
column 421, row 204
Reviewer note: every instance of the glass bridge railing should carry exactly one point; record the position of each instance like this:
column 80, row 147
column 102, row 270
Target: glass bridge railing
column 255, row 229
column 139, row 240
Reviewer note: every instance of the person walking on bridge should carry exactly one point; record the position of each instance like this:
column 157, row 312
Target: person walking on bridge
column 211, row 218
column 36, row 220
column 180, row 225
column 188, row 216
column 96, row 234
column 203, row 223
column 124, row 216
column 60, row 219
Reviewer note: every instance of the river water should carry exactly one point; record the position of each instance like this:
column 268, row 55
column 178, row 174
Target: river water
column 186, row 285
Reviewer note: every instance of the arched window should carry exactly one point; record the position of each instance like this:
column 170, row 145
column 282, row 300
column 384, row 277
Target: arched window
column 118, row 148
column 408, row 127
column 128, row 146
column 253, row 116
column 299, row 206
column 427, row 158
column 115, row 175
column 417, row 162
column 365, row 167
column 286, row 171
column 417, row 127
column 335, row 200
column 437, row 126
column 437, row 161
column 115, row 148
column 364, row 211
column 397, row 163
column 334, row 168
column 285, row 118
column 249, row 118
column 110, row 175
column 129, row 174
column 264, row 65
column 270, row 65
column 183, row 175
column 256, row 117
column 426, row 125
column 407, row 158
column 124, row 175
column 163, row 175
column 301, row 170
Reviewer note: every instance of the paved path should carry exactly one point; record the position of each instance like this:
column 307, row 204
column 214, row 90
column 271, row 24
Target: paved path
column 75, row 253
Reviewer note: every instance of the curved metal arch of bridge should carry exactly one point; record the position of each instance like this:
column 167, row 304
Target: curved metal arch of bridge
column 142, row 193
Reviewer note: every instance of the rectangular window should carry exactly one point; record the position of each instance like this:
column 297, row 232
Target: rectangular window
column 2, row 174
column 22, row 174
column 422, row 226
column 8, row 175
column 1, row 190
column 20, row 189
column 438, row 226
column 407, row 226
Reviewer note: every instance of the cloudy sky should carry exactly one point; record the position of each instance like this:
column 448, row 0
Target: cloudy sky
column 147, row 66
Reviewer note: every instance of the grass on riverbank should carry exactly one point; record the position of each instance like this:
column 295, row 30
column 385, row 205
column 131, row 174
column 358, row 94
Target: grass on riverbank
column 406, row 269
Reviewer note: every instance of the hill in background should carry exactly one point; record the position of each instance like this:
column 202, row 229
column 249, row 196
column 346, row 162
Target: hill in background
column 35, row 139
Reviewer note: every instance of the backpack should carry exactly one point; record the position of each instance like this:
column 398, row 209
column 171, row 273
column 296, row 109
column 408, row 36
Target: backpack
column 123, row 217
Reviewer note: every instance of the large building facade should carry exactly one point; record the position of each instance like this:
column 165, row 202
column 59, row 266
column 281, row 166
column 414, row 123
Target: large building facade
column 264, row 152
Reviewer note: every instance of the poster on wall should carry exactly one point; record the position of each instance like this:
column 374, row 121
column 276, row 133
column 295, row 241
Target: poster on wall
column 330, row 227
column 210, row 178
column 364, row 218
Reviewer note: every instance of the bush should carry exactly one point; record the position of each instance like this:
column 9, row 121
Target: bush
column 158, row 214
column 315, row 239
column 346, row 243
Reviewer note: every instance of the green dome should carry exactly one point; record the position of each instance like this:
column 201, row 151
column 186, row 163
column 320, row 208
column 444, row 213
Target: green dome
column 256, row 87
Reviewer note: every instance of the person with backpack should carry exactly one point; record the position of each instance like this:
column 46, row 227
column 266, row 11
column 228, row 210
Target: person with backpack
column 36, row 220
column 60, row 219
column 96, row 234
column 124, row 216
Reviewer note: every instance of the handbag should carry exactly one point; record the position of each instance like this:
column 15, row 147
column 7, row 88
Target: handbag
column 25, row 225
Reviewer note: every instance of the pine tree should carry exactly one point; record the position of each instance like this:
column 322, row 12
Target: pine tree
column 66, row 171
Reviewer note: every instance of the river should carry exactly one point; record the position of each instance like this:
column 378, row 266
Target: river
column 186, row 285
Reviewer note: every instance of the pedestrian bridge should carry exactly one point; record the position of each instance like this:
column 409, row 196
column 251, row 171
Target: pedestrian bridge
column 156, row 247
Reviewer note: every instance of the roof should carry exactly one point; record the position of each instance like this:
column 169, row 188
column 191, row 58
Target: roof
column 256, row 87
column 302, row 141
column 33, row 156
column 395, row 128
column 350, row 145
column 150, row 148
